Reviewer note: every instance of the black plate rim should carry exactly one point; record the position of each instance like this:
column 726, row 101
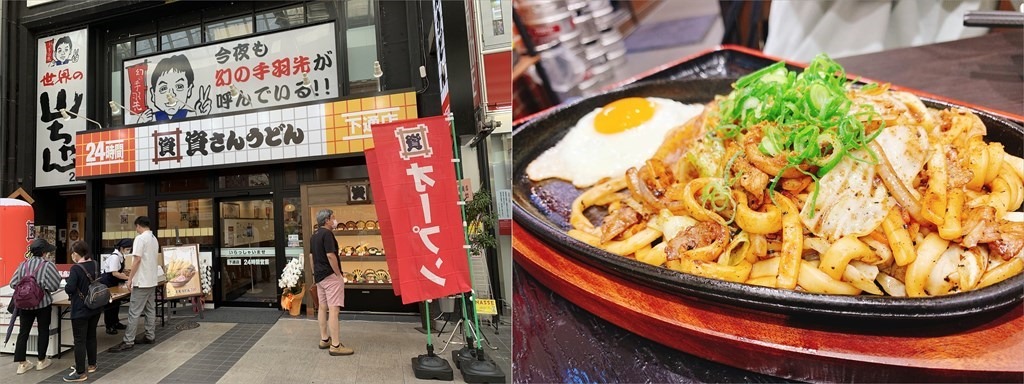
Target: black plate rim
column 1000, row 295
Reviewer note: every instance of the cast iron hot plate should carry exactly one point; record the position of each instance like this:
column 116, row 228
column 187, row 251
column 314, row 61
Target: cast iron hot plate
column 543, row 209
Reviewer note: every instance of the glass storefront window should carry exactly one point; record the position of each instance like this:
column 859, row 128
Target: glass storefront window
column 190, row 183
column 293, row 226
column 280, row 18
column 254, row 180
column 119, row 223
column 226, row 29
column 248, row 260
column 190, row 221
column 124, row 189
column 181, row 38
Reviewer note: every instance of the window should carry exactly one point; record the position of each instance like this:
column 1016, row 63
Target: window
column 145, row 45
column 255, row 180
column 226, row 29
column 190, row 221
column 317, row 12
column 361, row 38
column 119, row 52
column 191, row 183
column 181, row 38
column 124, row 190
column 280, row 18
column 119, row 223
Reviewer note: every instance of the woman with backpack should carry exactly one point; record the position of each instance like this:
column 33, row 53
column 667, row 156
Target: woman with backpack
column 84, row 320
column 33, row 282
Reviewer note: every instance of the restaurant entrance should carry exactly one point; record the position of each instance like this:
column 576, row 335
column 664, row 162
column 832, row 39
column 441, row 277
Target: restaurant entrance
column 247, row 257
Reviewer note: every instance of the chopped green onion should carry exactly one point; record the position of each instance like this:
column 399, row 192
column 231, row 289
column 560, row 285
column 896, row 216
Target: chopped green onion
column 811, row 119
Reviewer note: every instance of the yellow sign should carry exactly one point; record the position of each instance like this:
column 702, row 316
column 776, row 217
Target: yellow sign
column 348, row 122
column 486, row 307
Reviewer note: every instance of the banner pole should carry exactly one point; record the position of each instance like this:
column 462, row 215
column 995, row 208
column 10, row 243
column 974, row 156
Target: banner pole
column 465, row 233
column 430, row 342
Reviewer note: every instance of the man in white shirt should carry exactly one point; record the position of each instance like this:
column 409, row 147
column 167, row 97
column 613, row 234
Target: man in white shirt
column 142, row 282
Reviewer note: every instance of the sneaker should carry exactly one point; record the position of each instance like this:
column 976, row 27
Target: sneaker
column 120, row 326
column 111, row 331
column 23, row 367
column 146, row 340
column 89, row 369
column 324, row 344
column 75, row 377
column 42, row 364
column 121, row 347
column 341, row 350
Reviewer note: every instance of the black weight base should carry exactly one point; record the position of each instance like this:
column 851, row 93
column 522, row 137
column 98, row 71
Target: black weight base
column 463, row 355
column 485, row 371
column 426, row 367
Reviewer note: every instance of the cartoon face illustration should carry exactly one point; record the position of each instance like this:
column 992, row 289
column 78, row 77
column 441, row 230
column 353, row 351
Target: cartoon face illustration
column 170, row 92
column 62, row 50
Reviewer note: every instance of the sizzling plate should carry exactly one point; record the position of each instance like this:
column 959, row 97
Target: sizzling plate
column 543, row 208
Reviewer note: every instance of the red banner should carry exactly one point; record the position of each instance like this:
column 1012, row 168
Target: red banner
column 137, row 79
column 387, row 234
column 414, row 159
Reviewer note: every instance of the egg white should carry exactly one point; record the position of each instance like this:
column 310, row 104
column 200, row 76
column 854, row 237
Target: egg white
column 585, row 156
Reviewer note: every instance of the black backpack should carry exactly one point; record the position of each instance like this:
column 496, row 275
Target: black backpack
column 97, row 295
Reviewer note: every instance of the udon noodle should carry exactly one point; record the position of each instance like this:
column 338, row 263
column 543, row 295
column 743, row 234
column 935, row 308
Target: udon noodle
column 808, row 182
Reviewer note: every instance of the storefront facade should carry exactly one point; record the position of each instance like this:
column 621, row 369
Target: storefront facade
column 227, row 123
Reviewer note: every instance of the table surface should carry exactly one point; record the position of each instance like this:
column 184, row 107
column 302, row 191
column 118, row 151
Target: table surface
column 557, row 341
column 116, row 293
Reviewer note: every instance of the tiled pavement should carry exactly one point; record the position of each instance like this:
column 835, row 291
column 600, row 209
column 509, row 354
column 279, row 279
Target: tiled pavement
column 263, row 353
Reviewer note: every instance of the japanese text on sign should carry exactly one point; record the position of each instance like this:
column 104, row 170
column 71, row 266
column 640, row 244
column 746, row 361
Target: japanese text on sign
column 60, row 75
column 271, row 70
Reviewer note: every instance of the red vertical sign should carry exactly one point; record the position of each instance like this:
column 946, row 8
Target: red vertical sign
column 380, row 203
column 414, row 158
column 49, row 50
column 137, row 79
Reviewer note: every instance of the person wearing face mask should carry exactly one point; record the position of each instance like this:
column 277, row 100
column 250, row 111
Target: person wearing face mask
column 114, row 274
column 84, row 320
column 46, row 276
column 330, row 283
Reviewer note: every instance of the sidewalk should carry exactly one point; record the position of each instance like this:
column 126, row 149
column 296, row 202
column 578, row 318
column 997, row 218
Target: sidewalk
column 268, row 351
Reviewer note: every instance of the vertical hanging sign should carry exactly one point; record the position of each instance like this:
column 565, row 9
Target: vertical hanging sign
column 442, row 61
column 414, row 159
column 60, row 84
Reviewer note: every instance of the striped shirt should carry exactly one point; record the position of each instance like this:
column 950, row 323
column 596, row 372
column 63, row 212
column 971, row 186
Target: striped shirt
column 47, row 277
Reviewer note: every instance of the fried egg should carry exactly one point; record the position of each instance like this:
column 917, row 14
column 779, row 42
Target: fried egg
column 608, row 141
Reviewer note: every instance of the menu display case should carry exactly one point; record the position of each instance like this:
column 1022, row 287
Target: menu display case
column 361, row 247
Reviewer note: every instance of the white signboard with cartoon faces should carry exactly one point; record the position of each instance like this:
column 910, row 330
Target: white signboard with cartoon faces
column 271, row 70
column 60, row 85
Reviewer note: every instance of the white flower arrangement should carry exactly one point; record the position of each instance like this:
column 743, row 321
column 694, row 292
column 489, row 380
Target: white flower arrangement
column 206, row 277
column 291, row 278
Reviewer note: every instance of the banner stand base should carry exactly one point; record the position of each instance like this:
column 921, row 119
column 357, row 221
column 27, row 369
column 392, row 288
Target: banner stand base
column 432, row 367
column 482, row 370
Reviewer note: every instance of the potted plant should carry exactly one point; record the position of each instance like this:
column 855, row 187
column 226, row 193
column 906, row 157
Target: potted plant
column 291, row 284
column 481, row 222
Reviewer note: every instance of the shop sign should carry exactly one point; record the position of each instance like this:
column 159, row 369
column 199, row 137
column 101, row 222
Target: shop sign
column 414, row 161
column 61, row 67
column 282, row 135
column 247, row 252
column 279, row 69
column 442, row 60
column 242, row 262
column 486, row 307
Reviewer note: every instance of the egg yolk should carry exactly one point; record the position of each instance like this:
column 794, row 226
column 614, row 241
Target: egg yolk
column 623, row 114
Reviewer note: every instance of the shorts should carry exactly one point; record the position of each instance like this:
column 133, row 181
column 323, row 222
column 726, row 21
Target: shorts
column 331, row 291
